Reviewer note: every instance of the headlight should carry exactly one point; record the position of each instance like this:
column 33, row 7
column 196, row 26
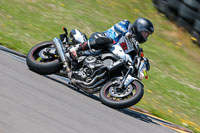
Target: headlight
column 141, row 75
column 142, row 72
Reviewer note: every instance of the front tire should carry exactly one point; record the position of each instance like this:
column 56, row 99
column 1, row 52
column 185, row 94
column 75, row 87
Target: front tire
column 51, row 66
column 132, row 98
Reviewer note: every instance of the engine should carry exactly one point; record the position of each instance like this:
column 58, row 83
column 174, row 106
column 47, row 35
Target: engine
column 90, row 68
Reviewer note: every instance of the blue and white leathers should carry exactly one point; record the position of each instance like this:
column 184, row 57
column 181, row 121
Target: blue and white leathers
column 119, row 30
column 122, row 48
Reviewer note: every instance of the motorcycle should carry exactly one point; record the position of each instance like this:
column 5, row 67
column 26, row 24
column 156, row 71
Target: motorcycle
column 117, row 81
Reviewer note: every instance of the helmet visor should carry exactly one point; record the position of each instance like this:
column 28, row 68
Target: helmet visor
column 145, row 34
column 142, row 28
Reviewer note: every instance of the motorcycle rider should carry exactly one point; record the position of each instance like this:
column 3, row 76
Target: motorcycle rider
column 118, row 36
column 99, row 43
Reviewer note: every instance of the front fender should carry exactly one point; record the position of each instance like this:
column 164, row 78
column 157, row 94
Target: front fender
column 130, row 79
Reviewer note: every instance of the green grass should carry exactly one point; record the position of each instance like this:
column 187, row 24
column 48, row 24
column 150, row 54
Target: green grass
column 172, row 91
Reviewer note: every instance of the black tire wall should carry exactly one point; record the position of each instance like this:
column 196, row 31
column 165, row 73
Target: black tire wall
column 185, row 13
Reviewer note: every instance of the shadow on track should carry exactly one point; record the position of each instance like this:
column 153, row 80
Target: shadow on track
column 126, row 111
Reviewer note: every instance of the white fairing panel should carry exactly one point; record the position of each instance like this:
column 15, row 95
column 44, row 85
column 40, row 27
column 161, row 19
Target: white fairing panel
column 79, row 37
column 118, row 51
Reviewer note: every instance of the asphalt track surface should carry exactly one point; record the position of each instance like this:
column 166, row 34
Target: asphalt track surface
column 32, row 103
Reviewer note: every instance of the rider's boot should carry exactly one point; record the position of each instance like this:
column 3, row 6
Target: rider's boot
column 79, row 47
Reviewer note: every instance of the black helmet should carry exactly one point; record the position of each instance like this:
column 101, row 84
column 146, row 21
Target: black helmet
column 142, row 24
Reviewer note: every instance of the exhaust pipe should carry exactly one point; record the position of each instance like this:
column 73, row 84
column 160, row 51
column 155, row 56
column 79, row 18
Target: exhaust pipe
column 60, row 49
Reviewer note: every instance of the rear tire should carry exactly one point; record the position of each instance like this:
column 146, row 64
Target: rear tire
column 44, row 68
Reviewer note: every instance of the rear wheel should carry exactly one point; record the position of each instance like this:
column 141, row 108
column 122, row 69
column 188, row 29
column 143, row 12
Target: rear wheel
column 48, row 65
column 115, row 97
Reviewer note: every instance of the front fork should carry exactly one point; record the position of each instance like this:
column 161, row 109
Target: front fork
column 125, row 77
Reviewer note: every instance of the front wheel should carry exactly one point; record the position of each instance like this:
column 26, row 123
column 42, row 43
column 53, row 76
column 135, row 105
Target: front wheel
column 118, row 98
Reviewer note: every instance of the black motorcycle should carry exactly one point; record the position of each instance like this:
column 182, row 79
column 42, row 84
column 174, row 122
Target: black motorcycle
column 118, row 82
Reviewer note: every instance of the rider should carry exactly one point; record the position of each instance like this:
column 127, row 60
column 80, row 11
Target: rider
column 140, row 30
column 117, row 34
